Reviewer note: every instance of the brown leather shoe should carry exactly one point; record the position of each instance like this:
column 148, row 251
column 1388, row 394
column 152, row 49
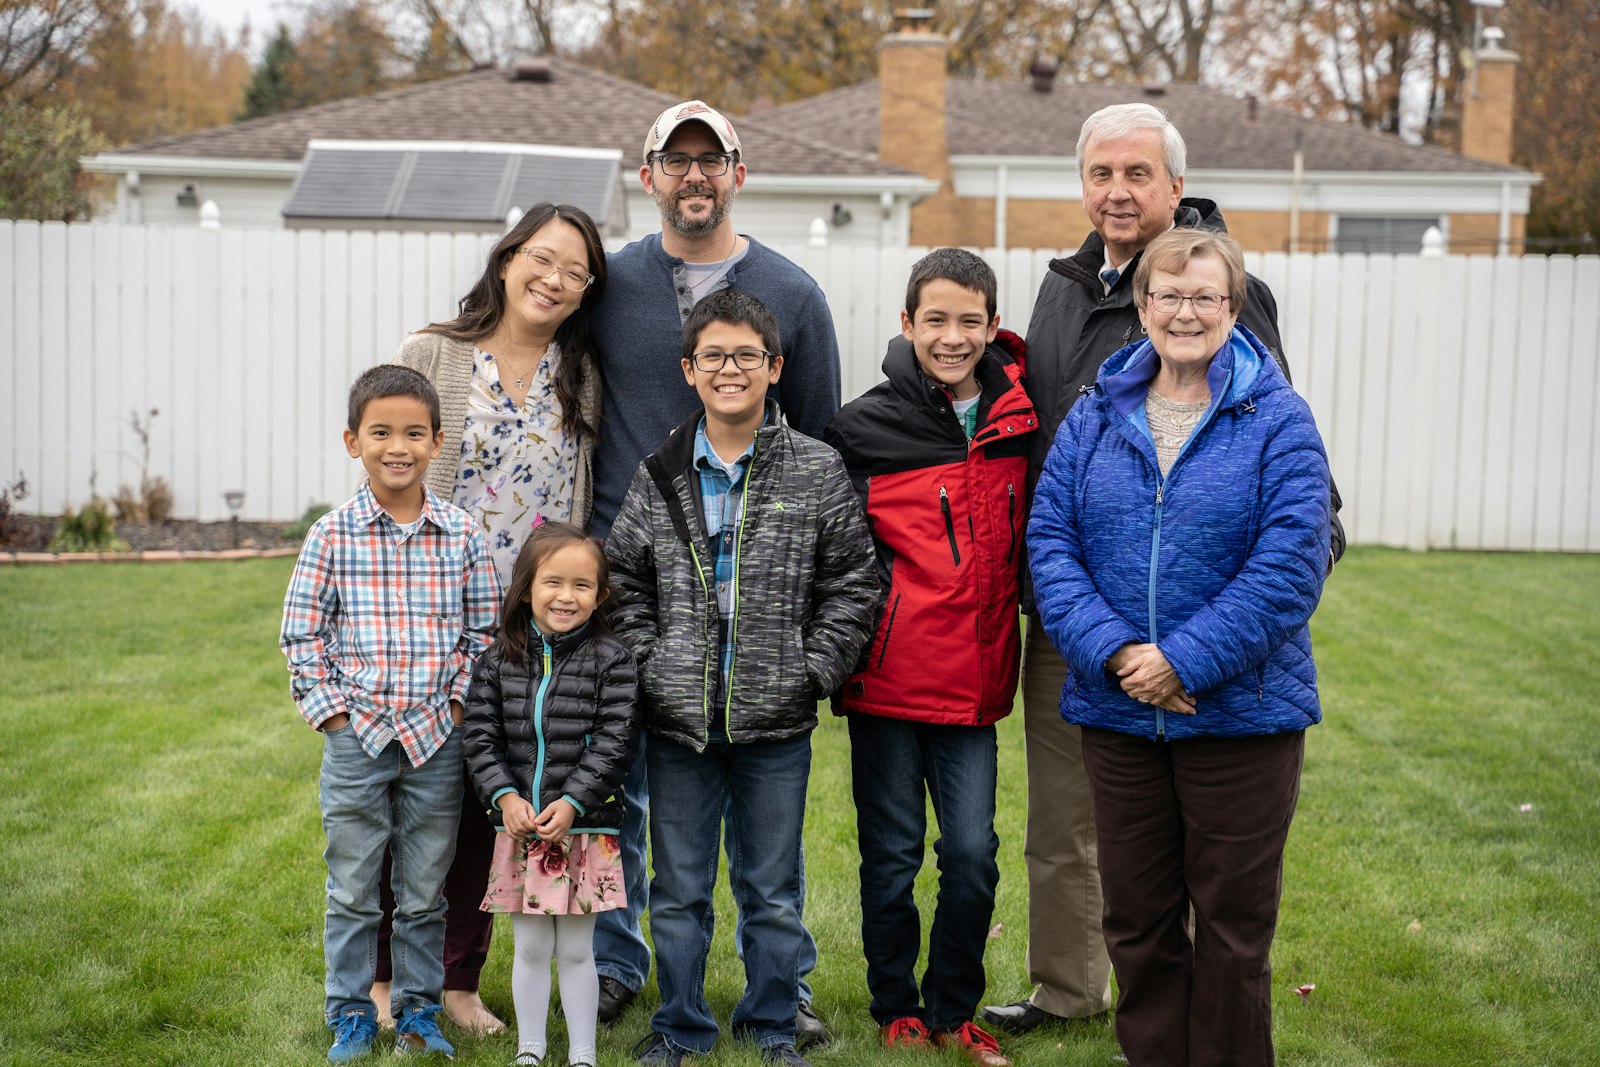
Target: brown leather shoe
column 978, row 1044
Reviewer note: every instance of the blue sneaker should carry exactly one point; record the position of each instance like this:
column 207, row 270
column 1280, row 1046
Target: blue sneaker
column 352, row 1036
column 417, row 1033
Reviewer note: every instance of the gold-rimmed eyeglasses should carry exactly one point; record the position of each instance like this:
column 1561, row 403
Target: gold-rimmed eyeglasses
column 1203, row 303
column 543, row 266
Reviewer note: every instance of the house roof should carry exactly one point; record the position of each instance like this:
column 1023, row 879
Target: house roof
column 577, row 107
column 1010, row 118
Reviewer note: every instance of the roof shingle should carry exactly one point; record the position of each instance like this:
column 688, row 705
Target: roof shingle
column 1010, row 118
column 578, row 107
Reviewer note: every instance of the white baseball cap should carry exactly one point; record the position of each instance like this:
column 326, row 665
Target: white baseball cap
column 668, row 121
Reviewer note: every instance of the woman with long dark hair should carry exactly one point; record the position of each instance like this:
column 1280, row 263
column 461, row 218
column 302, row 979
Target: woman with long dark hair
column 519, row 396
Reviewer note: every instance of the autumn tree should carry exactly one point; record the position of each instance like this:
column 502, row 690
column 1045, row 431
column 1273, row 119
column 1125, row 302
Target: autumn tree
column 160, row 70
column 1557, row 131
column 43, row 40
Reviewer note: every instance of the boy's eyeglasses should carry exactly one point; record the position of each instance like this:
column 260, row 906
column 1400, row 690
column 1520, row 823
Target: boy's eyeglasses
column 710, row 361
column 1203, row 304
column 544, row 266
column 676, row 164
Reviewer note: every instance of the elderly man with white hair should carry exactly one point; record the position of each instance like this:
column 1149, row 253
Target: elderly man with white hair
column 1131, row 159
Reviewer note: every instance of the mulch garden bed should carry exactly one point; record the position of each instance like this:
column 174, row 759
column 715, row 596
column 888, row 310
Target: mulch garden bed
column 32, row 533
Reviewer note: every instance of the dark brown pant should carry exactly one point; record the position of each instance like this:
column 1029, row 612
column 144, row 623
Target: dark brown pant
column 467, row 928
column 1198, row 822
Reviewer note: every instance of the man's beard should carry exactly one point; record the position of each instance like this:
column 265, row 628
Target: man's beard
column 682, row 224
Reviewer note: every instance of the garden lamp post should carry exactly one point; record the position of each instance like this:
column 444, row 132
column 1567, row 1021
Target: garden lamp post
column 234, row 498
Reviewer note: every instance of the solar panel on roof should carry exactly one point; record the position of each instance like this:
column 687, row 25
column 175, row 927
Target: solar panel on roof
column 447, row 182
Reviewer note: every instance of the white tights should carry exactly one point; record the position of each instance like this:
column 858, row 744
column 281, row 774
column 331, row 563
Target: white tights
column 570, row 939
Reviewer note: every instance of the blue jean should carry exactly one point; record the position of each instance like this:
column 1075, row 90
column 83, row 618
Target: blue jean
column 620, row 949
column 762, row 786
column 892, row 761
column 368, row 805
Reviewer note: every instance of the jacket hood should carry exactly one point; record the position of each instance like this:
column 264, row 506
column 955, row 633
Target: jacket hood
column 1241, row 371
column 1083, row 266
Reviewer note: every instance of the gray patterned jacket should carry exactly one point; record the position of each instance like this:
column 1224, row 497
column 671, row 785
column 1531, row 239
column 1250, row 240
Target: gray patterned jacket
column 804, row 588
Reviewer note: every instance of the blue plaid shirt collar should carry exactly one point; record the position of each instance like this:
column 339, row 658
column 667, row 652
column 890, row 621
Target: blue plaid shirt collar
column 366, row 510
column 706, row 458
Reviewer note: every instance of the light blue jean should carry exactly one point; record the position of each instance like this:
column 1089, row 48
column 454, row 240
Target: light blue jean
column 620, row 949
column 369, row 804
column 762, row 785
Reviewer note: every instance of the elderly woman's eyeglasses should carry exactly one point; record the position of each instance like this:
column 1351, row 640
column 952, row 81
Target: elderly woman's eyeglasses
column 543, row 266
column 711, row 360
column 676, row 164
column 1203, row 303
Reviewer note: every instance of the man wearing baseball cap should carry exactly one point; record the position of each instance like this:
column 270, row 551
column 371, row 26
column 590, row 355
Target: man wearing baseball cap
column 693, row 169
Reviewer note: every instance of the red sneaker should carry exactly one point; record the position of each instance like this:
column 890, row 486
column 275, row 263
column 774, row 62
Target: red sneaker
column 979, row 1045
column 905, row 1033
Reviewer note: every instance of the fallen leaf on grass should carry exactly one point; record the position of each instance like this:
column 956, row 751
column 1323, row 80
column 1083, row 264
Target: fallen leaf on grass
column 1304, row 992
column 996, row 930
column 1416, row 926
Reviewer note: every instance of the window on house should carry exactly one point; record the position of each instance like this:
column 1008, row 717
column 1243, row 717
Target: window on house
column 1382, row 233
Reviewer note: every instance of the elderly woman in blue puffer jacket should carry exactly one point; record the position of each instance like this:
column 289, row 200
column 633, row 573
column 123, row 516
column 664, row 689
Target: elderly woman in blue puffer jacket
column 1178, row 543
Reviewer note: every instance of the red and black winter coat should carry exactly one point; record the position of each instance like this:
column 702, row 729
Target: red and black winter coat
column 947, row 518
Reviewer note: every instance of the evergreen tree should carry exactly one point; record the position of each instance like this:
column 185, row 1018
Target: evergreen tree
column 272, row 87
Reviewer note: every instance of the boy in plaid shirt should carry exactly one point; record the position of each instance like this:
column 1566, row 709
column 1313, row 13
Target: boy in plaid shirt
column 392, row 600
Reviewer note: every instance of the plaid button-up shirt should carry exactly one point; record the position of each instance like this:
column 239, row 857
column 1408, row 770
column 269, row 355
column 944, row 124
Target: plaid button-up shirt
column 383, row 621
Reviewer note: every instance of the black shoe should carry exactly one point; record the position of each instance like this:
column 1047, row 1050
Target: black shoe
column 614, row 1000
column 653, row 1050
column 808, row 1029
column 785, row 1055
column 1021, row 1017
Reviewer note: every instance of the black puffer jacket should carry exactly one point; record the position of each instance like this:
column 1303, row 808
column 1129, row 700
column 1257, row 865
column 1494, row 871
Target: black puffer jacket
column 805, row 591
column 568, row 719
column 1076, row 325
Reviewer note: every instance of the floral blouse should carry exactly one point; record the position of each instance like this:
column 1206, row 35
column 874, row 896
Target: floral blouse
column 515, row 464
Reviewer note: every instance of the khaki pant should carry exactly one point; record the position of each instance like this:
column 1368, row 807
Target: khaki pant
column 1066, row 953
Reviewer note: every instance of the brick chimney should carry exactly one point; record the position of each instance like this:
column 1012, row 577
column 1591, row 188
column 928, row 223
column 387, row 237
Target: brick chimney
column 1488, row 110
column 911, row 118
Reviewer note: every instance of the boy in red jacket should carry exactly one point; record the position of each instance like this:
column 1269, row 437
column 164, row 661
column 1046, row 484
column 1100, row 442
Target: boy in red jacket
column 938, row 454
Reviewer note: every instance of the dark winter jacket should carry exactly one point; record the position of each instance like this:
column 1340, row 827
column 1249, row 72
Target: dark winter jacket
column 567, row 719
column 804, row 588
column 947, row 518
column 1076, row 325
column 1219, row 562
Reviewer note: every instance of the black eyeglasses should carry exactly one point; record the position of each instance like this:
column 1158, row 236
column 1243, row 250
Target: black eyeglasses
column 711, row 360
column 676, row 164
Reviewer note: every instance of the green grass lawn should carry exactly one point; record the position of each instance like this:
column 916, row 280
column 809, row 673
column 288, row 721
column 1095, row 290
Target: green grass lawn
column 161, row 872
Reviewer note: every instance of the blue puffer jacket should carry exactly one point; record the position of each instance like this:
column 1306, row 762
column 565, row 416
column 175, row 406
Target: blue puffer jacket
column 1220, row 562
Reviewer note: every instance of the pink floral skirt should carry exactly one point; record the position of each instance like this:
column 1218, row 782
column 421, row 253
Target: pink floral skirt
column 579, row 876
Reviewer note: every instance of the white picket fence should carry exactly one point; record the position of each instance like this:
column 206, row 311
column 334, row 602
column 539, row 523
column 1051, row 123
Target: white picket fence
column 1456, row 394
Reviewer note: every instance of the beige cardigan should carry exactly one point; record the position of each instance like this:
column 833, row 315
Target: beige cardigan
column 447, row 363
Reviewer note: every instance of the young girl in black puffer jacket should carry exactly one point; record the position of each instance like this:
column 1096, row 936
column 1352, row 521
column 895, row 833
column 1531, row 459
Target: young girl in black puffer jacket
column 552, row 715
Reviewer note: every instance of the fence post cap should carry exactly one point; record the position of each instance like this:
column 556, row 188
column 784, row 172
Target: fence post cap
column 819, row 233
column 210, row 216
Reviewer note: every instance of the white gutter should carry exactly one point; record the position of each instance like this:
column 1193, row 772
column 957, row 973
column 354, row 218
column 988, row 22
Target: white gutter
column 910, row 185
column 190, row 166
